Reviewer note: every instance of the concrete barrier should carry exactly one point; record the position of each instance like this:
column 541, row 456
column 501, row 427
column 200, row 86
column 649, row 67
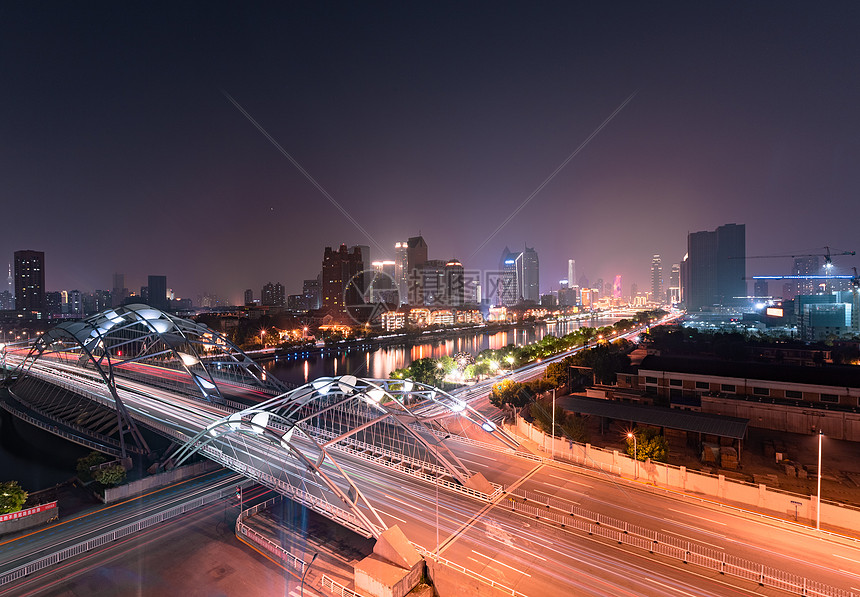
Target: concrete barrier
column 121, row 492
column 30, row 517
column 757, row 497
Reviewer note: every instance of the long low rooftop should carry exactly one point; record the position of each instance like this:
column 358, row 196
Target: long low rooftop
column 658, row 416
column 844, row 376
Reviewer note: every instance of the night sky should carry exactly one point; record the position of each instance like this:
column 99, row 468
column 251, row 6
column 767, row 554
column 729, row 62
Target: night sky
column 122, row 152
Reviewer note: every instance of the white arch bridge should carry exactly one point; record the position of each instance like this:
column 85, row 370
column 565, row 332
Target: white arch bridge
column 322, row 444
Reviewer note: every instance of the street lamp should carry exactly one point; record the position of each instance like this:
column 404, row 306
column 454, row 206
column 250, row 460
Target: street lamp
column 818, row 507
column 553, row 423
column 305, row 573
column 262, row 332
column 632, row 435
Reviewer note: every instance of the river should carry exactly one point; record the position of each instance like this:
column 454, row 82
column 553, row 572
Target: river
column 379, row 362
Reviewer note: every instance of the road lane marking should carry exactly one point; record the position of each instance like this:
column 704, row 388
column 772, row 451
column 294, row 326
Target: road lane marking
column 525, row 551
column 391, row 515
column 693, row 540
column 391, row 497
column 849, row 559
column 500, row 563
column 699, row 517
column 568, row 480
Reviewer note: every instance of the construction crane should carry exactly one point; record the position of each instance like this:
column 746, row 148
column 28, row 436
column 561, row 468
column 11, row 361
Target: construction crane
column 855, row 279
column 828, row 256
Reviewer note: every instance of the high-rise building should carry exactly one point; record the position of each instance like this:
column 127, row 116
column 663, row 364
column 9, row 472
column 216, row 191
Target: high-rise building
column 311, row 290
column 119, row 292
column 10, row 285
column 273, row 295
column 383, row 287
column 508, row 286
column 249, row 297
column 157, row 286
column 528, row 275
column 74, row 303
column 806, row 266
column 571, row 272
column 760, row 289
column 657, row 294
column 338, row 270
column 416, row 252
column 455, row 288
column 53, row 304
column 715, row 268
column 401, row 270
column 430, row 284
column 29, row 280
column 366, row 278
column 675, row 284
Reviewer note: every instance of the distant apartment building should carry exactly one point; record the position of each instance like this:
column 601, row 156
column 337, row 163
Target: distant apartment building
column 249, row 297
column 339, row 268
column 29, row 280
column 311, row 288
column 273, row 295
column 157, row 292
column 715, row 268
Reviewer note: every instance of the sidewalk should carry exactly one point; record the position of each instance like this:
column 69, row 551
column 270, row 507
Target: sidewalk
column 303, row 533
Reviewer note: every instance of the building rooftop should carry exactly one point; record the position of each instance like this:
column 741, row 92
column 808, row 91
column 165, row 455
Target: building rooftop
column 843, row 376
column 672, row 418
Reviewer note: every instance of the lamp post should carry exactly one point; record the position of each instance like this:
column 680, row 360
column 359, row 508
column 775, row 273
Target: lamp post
column 553, row 423
column 262, row 331
column 305, row 573
column 632, row 435
column 818, row 507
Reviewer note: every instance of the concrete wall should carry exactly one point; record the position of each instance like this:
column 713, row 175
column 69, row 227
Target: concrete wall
column 835, row 424
column 757, row 497
column 26, row 522
column 121, row 492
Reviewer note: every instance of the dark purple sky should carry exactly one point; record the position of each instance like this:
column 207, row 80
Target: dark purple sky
column 120, row 152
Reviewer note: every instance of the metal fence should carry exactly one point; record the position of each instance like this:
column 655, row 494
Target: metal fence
column 103, row 539
column 263, row 541
column 566, row 514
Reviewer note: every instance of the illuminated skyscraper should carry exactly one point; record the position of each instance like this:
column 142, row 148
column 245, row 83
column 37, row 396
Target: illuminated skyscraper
column 401, row 270
column 338, row 269
column 571, row 273
column 657, row 294
column 528, row 275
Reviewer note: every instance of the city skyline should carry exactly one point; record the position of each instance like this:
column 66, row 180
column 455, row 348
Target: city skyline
column 119, row 131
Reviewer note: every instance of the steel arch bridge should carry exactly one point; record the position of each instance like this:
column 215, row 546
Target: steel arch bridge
column 301, row 443
column 134, row 342
column 142, row 366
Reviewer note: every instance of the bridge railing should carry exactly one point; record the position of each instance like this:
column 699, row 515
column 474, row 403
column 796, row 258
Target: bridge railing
column 263, row 541
column 568, row 514
column 105, row 538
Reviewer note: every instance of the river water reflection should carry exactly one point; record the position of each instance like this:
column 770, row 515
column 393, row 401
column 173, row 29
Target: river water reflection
column 379, row 362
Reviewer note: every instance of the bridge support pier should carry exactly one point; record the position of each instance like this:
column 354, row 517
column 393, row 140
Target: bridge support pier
column 393, row 569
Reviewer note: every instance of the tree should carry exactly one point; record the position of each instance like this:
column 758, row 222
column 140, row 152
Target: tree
column 556, row 374
column 110, row 475
column 649, row 444
column 86, row 463
column 509, row 393
column 426, row 371
column 12, row 497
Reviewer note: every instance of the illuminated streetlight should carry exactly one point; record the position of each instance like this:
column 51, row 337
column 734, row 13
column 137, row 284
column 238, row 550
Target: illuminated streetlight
column 630, row 434
column 818, row 507
column 262, row 332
